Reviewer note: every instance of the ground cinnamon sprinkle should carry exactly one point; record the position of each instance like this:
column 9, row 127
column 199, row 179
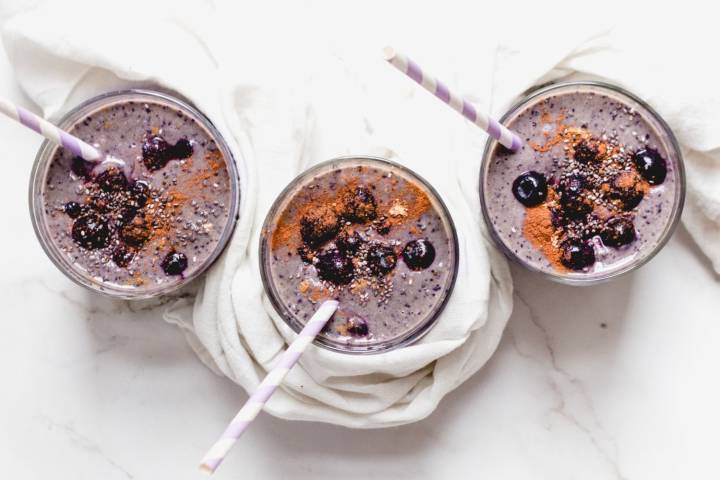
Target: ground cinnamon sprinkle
column 539, row 231
column 318, row 293
column 287, row 229
column 408, row 204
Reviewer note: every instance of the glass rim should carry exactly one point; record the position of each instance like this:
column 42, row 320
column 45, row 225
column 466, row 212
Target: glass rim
column 42, row 163
column 410, row 337
column 679, row 201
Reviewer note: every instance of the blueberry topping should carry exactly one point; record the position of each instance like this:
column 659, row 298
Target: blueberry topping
column 557, row 218
column 651, row 166
column 135, row 233
column 357, row 327
column 140, row 192
column 72, row 209
column 319, row 226
column 530, row 188
column 81, row 167
column 182, row 149
column 91, row 232
column 585, row 153
column 126, row 215
column 419, row 254
column 359, row 205
column 349, row 242
column 306, row 254
column 382, row 225
column 574, row 206
column 577, row 255
column 155, row 152
column 174, row 263
column 571, row 186
column 627, row 197
column 335, row 267
column 112, row 180
column 381, row 259
column 122, row 256
column 618, row 232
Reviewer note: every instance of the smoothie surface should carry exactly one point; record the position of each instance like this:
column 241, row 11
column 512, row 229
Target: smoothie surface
column 366, row 233
column 152, row 215
column 593, row 188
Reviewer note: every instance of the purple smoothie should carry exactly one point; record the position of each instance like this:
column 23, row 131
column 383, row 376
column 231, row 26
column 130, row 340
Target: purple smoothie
column 148, row 222
column 370, row 234
column 595, row 190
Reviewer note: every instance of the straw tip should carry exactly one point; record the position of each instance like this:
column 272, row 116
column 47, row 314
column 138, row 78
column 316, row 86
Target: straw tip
column 389, row 53
column 205, row 469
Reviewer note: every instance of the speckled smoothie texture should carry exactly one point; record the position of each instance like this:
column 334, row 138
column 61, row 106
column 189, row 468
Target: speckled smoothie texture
column 609, row 118
column 156, row 241
column 390, row 306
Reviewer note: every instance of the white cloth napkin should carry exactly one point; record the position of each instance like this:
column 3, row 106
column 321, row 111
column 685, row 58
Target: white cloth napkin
column 284, row 108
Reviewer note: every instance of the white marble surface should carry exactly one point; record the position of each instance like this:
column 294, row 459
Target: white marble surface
column 614, row 382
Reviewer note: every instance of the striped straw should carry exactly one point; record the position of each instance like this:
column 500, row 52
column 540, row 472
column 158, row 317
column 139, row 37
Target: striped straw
column 49, row 131
column 257, row 400
column 441, row 91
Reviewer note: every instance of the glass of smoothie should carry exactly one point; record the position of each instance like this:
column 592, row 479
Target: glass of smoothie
column 372, row 235
column 151, row 216
column 596, row 189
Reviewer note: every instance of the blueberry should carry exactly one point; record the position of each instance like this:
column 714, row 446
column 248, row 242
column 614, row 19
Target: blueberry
column 182, row 149
column 155, row 152
column 335, row 267
column 319, row 226
column 585, row 153
column 357, row 327
column 112, row 180
column 572, row 185
column 557, row 218
column 91, row 232
column 122, row 256
column 381, row 259
column 617, row 232
column 174, row 263
column 306, row 254
column 577, row 255
column 72, row 209
column 419, row 254
column 382, row 225
column 530, row 188
column 140, row 192
column 651, row 166
column 349, row 242
column 81, row 167
column 574, row 206
column 136, row 233
column 359, row 205
column 125, row 215
column 627, row 197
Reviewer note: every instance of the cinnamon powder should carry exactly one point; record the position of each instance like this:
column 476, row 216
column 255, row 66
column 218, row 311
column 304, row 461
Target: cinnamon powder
column 414, row 201
column 539, row 231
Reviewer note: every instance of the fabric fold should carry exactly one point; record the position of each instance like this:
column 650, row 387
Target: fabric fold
column 280, row 119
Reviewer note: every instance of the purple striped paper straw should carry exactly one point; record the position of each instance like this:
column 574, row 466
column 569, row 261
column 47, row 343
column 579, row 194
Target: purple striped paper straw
column 441, row 91
column 274, row 378
column 49, row 131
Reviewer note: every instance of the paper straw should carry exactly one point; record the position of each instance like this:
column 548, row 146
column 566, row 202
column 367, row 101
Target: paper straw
column 49, row 131
column 257, row 400
column 462, row 106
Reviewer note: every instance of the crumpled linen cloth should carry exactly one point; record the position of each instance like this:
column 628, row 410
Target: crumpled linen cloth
column 286, row 107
